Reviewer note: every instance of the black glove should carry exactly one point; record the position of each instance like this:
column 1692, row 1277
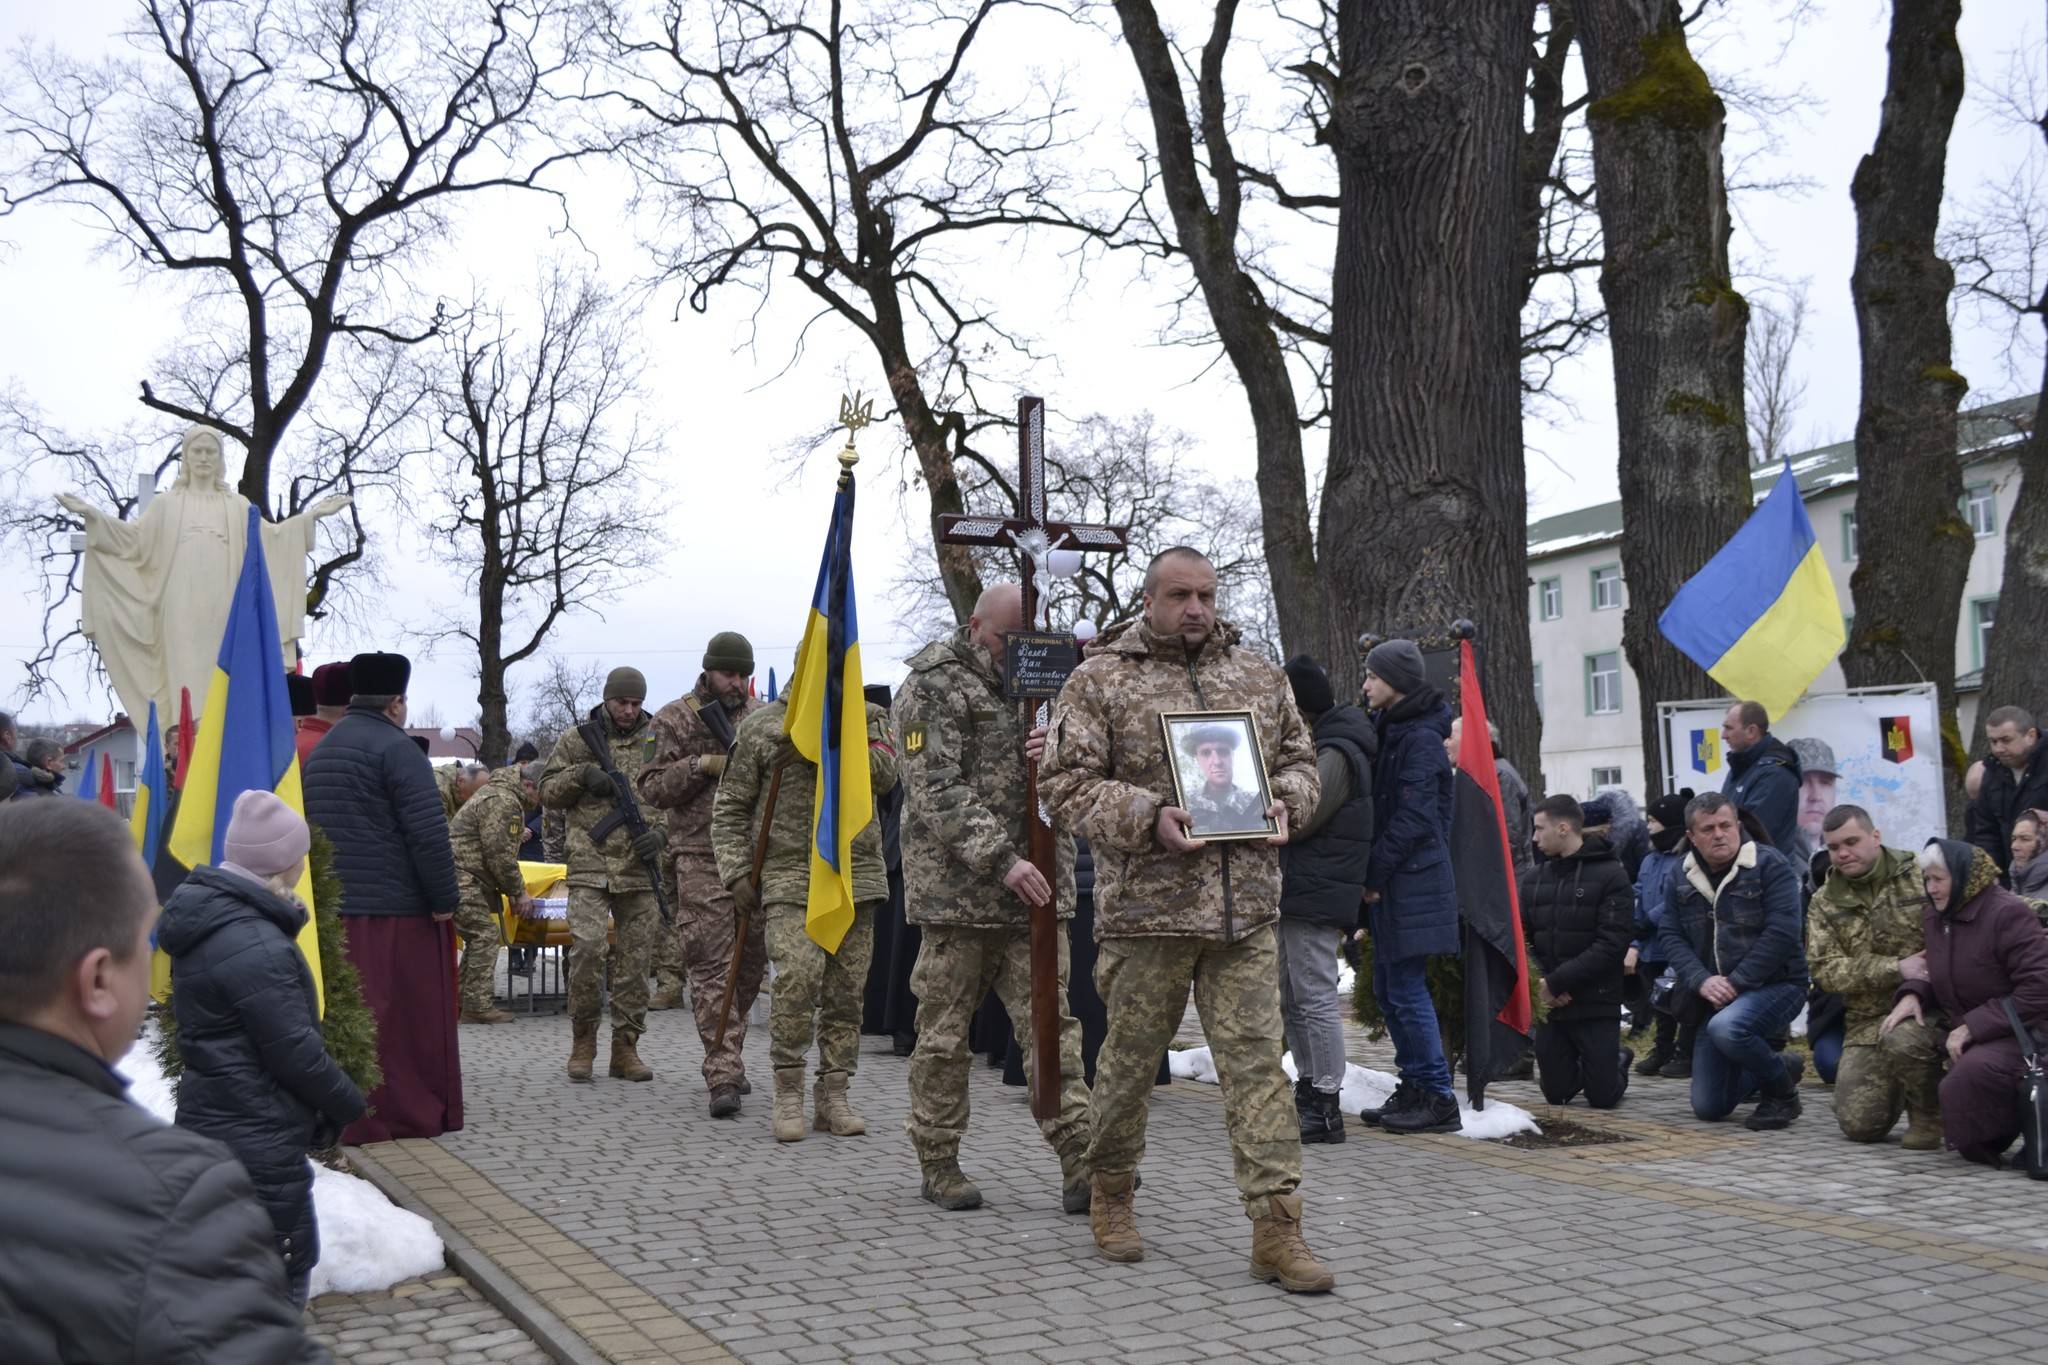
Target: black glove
column 596, row 781
column 746, row 897
column 326, row 1133
column 647, row 843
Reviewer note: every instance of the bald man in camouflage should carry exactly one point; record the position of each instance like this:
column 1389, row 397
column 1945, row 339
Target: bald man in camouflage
column 486, row 834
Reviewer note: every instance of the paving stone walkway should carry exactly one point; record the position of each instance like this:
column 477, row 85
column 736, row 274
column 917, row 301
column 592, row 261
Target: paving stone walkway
column 1688, row 1243
column 441, row 1318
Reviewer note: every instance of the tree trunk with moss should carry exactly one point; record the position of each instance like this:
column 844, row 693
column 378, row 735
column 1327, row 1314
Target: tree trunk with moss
column 1913, row 545
column 1424, row 504
column 1675, row 323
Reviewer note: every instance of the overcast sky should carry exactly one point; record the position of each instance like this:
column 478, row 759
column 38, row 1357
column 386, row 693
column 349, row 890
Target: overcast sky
column 744, row 537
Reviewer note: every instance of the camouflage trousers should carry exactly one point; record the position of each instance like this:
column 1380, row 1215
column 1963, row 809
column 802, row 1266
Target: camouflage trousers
column 1144, row 983
column 817, row 994
column 593, row 913
column 476, row 919
column 707, row 922
column 956, row 968
column 1876, row 1081
column 667, row 963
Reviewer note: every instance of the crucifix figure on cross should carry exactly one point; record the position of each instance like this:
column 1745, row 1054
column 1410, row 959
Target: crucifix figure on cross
column 1034, row 538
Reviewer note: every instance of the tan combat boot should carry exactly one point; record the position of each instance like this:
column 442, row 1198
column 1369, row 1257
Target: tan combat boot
column 583, row 1051
column 1112, row 1217
column 834, row 1114
column 626, row 1064
column 1279, row 1253
column 946, row 1185
column 493, row 1015
column 667, row 995
column 789, row 1104
column 1923, row 1130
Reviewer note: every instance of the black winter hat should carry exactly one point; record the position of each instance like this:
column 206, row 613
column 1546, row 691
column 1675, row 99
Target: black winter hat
column 1398, row 664
column 301, row 689
column 1312, row 692
column 1668, row 810
column 379, row 675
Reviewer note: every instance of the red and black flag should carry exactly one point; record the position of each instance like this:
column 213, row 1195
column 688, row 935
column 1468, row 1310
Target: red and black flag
column 1496, row 969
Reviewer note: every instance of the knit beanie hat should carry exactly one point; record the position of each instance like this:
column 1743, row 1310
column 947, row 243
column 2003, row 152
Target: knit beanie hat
column 1398, row 664
column 1311, row 685
column 625, row 682
column 1668, row 810
column 729, row 652
column 265, row 835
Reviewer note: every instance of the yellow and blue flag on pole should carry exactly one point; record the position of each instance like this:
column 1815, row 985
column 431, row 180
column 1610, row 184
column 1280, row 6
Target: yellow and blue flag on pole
column 146, row 820
column 244, row 739
column 827, row 721
column 1762, row 617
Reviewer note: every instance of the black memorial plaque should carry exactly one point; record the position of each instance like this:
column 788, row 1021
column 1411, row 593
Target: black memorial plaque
column 1036, row 663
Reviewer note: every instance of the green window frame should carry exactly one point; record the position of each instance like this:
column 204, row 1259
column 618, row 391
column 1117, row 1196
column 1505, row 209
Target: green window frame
column 1598, row 582
column 1983, row 620
column 1549, row 598
column 1603, row 683
column 1849, row 536
column 1980, row 509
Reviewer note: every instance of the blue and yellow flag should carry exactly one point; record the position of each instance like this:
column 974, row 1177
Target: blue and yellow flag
column 152, row 794
column 827, row 721
column 1762, row 617
column 244, row 738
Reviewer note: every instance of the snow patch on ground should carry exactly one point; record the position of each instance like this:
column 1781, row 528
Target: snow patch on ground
column 367, row 1242
column 1365, row 1088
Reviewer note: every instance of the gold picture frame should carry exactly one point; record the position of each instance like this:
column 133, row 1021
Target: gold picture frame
column 1211, row 781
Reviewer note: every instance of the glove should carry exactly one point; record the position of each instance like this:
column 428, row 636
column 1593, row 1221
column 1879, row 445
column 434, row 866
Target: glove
column 596, row 780
column 746, row 896
column 711, row 765
column 326, row 1133
column 647, row 843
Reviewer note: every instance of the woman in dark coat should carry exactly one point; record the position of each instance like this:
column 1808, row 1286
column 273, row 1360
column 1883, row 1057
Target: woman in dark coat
column 257, row 1074
column 1983, row 946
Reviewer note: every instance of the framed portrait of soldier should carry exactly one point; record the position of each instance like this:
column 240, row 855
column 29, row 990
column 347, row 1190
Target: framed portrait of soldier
column 1219, row 773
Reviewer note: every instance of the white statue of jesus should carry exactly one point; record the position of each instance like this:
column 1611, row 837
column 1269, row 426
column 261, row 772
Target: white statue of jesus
column 157, row 589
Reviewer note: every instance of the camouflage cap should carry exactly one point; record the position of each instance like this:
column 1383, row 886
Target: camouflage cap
column 1194, row 739
column 1815, row 756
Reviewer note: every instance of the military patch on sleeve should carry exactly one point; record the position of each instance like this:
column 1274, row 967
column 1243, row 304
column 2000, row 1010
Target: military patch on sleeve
column 913, row 739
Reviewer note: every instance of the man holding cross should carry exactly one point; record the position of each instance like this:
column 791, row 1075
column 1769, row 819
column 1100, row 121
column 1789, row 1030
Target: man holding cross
column 1173, row 910
column 970, row 882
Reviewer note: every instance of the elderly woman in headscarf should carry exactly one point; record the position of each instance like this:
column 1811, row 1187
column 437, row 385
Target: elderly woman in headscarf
column 1984, row 946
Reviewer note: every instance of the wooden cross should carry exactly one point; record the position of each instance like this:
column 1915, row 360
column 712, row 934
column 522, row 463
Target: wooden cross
column 1034, row 538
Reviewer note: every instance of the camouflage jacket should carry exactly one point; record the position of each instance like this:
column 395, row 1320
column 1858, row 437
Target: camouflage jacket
column 445, row 778
column 963, row 809
column 613, row 865
column 1106, row 775
column 735, row 813
column 671, row 779
column 486, row 833
column 1856, row 932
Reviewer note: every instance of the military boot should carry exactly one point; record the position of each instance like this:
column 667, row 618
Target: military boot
column 1113, row 1218
column 1922, row 1085
column 493, row 1015
column 789, row 1104
column 667, row 995
column 834, row 1115
column 1317, row 1112
column 1074, row 1192
column 1279, row 1253
column 1923, row 1131
column 583, row 1050
column 626, row 1063
column 946, row 1186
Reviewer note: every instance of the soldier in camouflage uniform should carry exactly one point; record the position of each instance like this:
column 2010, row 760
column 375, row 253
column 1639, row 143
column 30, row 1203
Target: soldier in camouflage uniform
column 457, row 782
column 486, row 835
column 609, row 887
column 810, row 983
column 968, row 883
column 692, row 737
column 1171, row 910
column 1864, row 935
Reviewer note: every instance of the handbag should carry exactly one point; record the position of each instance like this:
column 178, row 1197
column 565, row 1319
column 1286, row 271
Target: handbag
column 2032, row 1099
column 1689, row 1008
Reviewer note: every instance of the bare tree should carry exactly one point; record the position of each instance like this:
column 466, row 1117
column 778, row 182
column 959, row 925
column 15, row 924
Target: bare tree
column 1674, row 320
column 1774, row 385
column 559, row 700
column 544, row 452
column 862, row 160
column 289, row 162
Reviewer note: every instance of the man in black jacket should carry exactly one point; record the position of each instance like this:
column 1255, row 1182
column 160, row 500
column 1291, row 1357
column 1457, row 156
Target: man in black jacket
column 1578, row 911
column 2015, row 781
column 371, row 790
column 125, row 1239
column 1763, row 773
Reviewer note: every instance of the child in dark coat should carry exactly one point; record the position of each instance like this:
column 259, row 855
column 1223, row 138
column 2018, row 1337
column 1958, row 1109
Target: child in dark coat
column 257, row 1074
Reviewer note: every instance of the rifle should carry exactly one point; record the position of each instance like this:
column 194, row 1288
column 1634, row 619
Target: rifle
column 625, row 811
column 739, row 942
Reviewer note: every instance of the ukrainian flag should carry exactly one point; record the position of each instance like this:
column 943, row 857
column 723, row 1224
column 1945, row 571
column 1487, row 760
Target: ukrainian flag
column 244, row 736
column 827, row 721
column 146, row 820
column 1762, row 617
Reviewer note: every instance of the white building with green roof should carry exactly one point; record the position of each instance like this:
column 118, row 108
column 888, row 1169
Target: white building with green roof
column 1592, row 730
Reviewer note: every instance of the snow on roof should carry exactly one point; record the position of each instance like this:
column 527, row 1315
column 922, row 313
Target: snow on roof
column 1982, row 434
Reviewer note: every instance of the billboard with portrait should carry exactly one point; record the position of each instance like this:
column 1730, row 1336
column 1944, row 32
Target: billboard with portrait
column 1876, row 747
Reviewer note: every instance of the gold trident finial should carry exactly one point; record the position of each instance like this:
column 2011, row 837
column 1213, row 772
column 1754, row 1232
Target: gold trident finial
column 853, row 415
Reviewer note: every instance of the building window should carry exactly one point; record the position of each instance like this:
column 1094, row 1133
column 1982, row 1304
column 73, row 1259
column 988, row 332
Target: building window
column 1549, row 599
column 1982, row 610
column 1605, row 777
column 1537, row 670
column 1980, row 509
column 1849, row 534
column 1603, row 684
column 1606, row 587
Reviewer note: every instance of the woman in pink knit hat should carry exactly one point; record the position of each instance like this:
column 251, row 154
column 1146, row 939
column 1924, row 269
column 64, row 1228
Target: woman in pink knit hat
column 257, row 1074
